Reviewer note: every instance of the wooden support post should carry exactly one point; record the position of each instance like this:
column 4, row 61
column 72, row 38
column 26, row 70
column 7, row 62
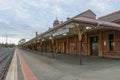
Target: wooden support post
column 41, row 48
column 52, row 48
column 80, row 41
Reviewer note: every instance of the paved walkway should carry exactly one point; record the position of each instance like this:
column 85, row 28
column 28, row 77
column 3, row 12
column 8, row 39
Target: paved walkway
column 65, row 67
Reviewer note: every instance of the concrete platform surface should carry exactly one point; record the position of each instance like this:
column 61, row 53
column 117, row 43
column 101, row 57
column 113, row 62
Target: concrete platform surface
column 66, row 67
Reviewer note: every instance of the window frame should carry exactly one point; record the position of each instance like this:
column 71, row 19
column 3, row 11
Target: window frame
column 113, row 41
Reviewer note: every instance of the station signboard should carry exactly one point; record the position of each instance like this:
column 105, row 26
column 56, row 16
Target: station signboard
column 64, row 31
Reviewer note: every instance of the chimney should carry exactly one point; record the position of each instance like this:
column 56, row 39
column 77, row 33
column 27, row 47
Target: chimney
column 36, row 34
column 56, row 23
column 61, row 22
column 68, row 18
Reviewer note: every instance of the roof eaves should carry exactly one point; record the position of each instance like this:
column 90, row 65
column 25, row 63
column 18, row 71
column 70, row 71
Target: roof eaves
column 102, row 23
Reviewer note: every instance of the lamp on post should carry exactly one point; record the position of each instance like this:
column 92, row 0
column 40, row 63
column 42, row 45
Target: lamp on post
column 38, row 41
column 41, row 45
column 41, row 48
column 52, row 40
column 35, row 45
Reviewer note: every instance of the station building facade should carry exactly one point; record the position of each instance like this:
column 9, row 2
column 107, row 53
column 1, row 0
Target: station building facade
column 81, row 34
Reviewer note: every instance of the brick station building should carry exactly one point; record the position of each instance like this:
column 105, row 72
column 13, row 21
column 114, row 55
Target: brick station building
column 81, row 34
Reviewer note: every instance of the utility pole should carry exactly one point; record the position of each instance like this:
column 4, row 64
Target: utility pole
column 6, row 41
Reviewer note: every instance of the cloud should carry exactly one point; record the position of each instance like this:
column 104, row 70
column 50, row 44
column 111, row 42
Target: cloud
column 102, row 7
column 56, row 10
column 4, row 4
column 21, row 18
column 101, row 4
column 9, row 40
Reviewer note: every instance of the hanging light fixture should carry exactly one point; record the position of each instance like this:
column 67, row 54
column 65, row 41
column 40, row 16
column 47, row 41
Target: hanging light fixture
column 50, row 37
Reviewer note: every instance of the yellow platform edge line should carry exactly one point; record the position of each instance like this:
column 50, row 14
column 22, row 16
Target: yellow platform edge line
column 12, row 72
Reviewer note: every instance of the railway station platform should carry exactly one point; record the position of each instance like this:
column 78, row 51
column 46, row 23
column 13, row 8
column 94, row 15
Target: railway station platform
column 27, row 65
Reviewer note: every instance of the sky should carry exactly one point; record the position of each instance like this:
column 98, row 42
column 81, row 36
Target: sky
column 22, row 18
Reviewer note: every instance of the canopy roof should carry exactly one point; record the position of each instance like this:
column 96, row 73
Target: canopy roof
column 81, row 20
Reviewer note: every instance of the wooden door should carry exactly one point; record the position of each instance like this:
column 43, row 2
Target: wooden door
column 94, row 46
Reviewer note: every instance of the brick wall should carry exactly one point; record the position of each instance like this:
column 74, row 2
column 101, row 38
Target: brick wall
column 116, row 52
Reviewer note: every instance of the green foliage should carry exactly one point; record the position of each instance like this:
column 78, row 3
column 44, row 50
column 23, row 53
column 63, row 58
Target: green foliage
column 22, row 41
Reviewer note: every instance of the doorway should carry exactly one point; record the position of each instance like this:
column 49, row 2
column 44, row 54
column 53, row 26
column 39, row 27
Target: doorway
column 94, row 46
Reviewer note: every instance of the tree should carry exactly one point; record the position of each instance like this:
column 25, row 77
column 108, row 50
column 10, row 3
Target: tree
column 22, row 41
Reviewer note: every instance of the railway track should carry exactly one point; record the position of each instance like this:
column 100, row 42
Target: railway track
column 6, row 55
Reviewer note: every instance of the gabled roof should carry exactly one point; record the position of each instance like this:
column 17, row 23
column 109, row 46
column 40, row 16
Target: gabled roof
column 88, row 13
column 111, row 17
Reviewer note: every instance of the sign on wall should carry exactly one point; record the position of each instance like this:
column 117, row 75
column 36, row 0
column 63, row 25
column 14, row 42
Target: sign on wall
column 64, row 31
